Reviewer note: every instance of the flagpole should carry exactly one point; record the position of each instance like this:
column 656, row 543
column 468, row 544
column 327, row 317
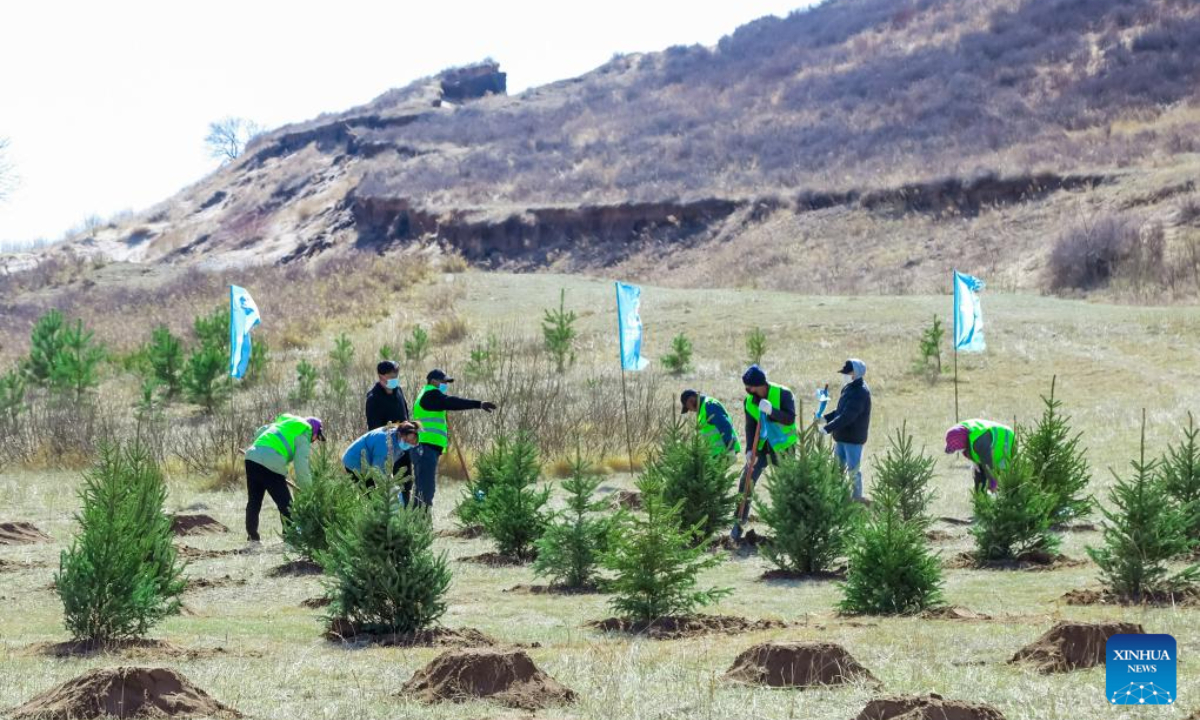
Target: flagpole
column 624, row 394
column 956, row 383
column 954, row 342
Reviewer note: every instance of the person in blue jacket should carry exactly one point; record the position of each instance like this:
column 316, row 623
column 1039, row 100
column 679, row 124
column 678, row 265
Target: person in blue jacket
column 849, row 423
column 383, row 449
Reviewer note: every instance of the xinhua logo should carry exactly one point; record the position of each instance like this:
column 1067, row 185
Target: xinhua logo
column 1140, row 670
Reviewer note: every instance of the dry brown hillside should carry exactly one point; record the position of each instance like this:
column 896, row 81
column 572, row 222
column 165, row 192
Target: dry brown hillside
column 860, row 146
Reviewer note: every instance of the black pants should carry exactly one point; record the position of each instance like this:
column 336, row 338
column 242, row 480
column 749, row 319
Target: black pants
column 261, row 481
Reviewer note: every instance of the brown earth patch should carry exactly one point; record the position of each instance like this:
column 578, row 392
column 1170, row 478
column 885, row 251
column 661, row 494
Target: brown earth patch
column 21, row 533
column 1089, row 596
column 296, row 568
column 954, row 612
column 749, row 542
column 462, row 533
column 15, row 566
column 797, row 665
column 124, row 692
column 196, row 525
column 345, row 632
column 929, row 707
column 141, row 649
column 493, row 559
column 191, row 553
column 201, row 583
column 506, row 676
column 675, row 627
column 626, row 500
column 1072, row 645
column 316, row 603
column 555, row 590
column 1078, row 527
column 939, row 536
column 1030, row 561
column 782, row 575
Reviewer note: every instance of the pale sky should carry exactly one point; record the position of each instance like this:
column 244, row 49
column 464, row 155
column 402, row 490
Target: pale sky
column 106, row 104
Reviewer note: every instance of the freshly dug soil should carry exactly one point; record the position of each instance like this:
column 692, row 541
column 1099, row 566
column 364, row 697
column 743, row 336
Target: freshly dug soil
column 1072, row 645
column 953, row 612
column 554, row 590
column 749, row 542
column 190, row 553
column 124, row 692
column 315, row 603
column 938, row 536
column 343, row 631
column 143, row 649
column 493, row 559
column 1186, row 598
column 196, row 525
column 1078, row 527
column 21, row 533
column 506, row 676
column 462, row 533
column 627, row 500
column 295, row 568
column 1034, row 561
column 672, row 627
column 797, row 665
column 777, row 574
column 12, row 566
column 928, row 707
column 217, row 582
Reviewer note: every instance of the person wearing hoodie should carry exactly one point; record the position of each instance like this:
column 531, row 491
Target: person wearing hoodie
column 850, row 422
column 987, row 444
column 429, row 409
column 286, row 441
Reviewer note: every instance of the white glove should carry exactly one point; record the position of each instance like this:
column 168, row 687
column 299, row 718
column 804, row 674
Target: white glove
column 824, row 431
column 764, row 406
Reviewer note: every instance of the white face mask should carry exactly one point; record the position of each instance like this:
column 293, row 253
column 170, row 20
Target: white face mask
column 847, row 379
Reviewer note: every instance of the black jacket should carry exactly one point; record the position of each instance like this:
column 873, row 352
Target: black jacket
column 851, row 420
column 384, row 407
column 437, row 400
column 783, row 415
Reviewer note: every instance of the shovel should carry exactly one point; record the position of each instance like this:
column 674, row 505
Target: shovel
column 743, row 508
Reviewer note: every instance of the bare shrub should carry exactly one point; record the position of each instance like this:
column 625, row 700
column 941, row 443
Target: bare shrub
column 450, row 329
column 1089, row 255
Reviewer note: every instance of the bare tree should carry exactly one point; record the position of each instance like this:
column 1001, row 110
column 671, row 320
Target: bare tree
column 227, row 137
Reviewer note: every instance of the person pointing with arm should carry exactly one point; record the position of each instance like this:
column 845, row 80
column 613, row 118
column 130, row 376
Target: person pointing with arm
column 429, row 409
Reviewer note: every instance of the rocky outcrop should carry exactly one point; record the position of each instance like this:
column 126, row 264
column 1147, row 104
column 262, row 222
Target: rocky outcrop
column 473, row 81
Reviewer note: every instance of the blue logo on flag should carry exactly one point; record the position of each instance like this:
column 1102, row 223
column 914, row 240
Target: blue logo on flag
column 1140, row 670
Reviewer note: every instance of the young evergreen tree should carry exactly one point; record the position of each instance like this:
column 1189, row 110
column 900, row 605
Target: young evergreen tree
column 204, row 377
column 679, row 360
column 484, row 360
column 1180, row 472
column 513, row 509
column 559, row 333
column 212, row 330
column 903, row 476
column 383, row 576
column 1016, row 519
column 121, row 575
column 891, row 570
column 417, row 346
column 77, row 365
column 164, row 354
column 756, row 345
column 1143, row 530
column 569, row 552
column 338, row 372
column 655, row 563
column 323, row 506
column 45, row 344
column 811, row 509
column 12, row 397
column 306, row 383
column 256, row 368
column 929, row 359
column 1059, row 462
column 703, row 485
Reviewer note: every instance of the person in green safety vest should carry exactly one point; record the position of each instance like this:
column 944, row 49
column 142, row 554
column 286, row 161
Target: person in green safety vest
column 771, row 417
column 286, row 441
column 987, row 444
column 429, row 409
column 712, row 422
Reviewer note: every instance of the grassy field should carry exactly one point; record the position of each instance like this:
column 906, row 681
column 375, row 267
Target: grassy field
column 1111, row 362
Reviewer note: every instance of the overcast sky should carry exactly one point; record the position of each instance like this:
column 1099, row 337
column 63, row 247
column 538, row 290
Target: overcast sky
column 106, row 104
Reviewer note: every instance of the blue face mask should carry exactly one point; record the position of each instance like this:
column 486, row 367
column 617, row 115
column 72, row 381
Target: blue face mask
column 403, row 446
column 444, row 387
column 393, row 383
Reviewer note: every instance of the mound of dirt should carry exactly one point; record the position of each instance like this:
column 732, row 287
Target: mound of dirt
column 929, row 707
column 462, row 533
column 554, row 590
column 315, row 603
column 1085, row 596
column 1072, row 645
column 627, row 500
column 196, row 525
column 1033, row 561
column 953, row 612
column 201, row 583
column 124, row 692
column 778, row 574
column 748, row 543
column 505, row 676
column 345, row 632
column 21, row 533
column 797, row 665
column 675, row 627
column 493, row 559
column 296, row 568
column 938, row 536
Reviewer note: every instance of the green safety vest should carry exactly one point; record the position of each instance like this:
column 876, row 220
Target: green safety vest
column 434, row 430
column 773, row 394
column 710, row 432
column 281, row 435
column 1002, row 441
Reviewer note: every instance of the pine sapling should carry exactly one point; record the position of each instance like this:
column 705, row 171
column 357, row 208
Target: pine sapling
column 416, row 347
column 890, row 569
column 513, row 509
column 204, row 377
column 1180, row 471
column 306, row 383
column 569, row 552
column 679, row 360
column 1059, row 462
column 655, row 564
column 903, row 477
column 45, row 344
column 165, row 357
column 121, row 575
column 77, row 365
column 1014, row 521
column 320, row 508
column 559, row 333
column 702, row 484
column 1144, row 530
column 756, row 345
column 929, row 360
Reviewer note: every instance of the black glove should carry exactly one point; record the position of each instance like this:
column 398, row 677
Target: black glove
column 488, row 406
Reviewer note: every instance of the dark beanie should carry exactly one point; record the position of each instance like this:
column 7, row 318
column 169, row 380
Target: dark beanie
column 754, row 375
